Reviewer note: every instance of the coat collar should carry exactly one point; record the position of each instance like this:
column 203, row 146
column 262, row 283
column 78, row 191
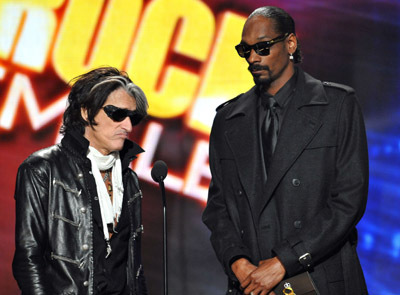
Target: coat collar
column 313, row 88
column 245, row 104
column 242, row 136
column 299, row 127
column 78, row 145
column 305, row 83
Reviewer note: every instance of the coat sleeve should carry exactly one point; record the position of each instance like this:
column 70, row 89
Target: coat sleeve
column 219, row 215
column 346, row 203
column 30, row 231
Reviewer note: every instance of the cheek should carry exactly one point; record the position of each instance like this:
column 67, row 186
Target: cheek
column 277, row 55
column 109, row 131
column 279, row 62
column 103, row 132
column 113, row 132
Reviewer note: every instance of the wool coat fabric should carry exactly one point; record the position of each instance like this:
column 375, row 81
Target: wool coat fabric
column 318, row 181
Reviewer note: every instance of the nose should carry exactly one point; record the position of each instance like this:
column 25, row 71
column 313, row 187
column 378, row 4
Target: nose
column 254, row 57
column 127, row 124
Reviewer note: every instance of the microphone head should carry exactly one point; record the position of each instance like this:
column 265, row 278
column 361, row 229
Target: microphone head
column 159, row 171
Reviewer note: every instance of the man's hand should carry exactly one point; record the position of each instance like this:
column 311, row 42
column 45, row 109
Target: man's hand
column 264, row 278
column 242, row 268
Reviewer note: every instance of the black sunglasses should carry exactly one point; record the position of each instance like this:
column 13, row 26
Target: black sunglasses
column 118, row 115
column 261, row 48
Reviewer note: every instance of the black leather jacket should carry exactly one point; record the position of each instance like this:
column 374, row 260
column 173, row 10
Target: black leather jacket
column 54, row 222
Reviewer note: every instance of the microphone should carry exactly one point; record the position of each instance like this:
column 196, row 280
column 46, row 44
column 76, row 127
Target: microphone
column 158, row 173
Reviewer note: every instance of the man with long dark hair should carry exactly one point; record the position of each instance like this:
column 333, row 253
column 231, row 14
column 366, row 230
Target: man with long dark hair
column 289, row 167
column 78, row 204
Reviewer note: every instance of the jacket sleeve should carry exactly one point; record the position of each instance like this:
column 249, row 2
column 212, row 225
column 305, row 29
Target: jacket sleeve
column 218, row 215
column 336, row 221
column 30, row 231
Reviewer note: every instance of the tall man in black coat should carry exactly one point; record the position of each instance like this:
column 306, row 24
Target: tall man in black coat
column 289, row 166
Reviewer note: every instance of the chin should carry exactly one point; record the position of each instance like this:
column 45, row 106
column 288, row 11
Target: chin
column 262, row 81
column 118, row 147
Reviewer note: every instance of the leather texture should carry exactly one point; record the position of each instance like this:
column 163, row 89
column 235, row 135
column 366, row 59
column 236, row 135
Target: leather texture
column 54, row 220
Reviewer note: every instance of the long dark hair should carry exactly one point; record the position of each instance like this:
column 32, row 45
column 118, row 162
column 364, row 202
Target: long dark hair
column 91, row 90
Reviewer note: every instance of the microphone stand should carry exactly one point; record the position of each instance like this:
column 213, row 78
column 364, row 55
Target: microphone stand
column 158, row 173
column 165, row 257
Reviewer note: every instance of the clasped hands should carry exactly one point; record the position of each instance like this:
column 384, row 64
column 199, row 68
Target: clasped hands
column 258, row 280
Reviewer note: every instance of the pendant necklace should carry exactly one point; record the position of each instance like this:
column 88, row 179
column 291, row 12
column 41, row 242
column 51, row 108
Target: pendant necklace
column 107, row 182
column 110, row 226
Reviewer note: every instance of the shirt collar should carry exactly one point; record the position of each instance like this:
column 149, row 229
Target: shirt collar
column 283, row 94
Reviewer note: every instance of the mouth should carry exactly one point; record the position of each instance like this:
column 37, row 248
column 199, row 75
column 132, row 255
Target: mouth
column 257, row 69
column 256, row 72
column 123, row 135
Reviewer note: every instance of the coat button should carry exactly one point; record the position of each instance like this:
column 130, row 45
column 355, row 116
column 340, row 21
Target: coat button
column 297, row 224
column 240, row 192
column 83, row 209
column 86, row 283
column 296, row 182
column 85, row 247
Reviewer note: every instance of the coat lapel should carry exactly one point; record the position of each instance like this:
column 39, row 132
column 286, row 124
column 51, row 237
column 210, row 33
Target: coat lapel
column 242, row 137
column 297, row 131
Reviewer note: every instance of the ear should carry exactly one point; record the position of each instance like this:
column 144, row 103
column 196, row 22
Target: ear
column 84, row 114
column 291, row 43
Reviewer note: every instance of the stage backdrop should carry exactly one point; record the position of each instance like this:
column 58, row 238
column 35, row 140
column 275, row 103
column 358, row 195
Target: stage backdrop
column 181, row 52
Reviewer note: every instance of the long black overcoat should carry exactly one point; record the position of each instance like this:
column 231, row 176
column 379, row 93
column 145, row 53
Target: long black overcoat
column 318, row 179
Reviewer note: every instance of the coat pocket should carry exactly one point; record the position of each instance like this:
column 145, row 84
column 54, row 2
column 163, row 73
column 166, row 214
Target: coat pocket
column 64, row 219
column 334, row 268
column 65, row 259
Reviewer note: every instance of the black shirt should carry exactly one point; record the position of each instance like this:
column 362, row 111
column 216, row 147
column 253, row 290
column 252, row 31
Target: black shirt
column 282, row 97
column 110, row 274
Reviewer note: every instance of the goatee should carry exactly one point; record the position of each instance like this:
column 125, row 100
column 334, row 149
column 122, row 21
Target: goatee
column 265, row 82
